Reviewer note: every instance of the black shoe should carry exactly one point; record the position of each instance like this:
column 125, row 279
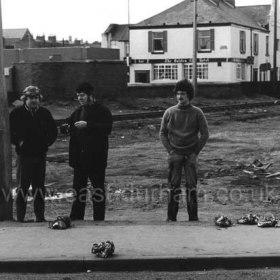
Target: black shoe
column 193, row 219
column 37, row 220
column 171, row 220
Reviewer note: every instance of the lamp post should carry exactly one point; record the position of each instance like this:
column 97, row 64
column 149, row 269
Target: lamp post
column 194, row 74
column 5, row 146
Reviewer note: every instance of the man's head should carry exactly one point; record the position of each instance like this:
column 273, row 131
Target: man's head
column 31, row 96
column 184, row 90
column 85, row 93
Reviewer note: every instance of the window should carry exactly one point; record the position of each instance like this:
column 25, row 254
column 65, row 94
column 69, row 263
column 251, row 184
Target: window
column 126, row 46
column 165, row 71
column 157, row 42
column 240, row 71
column 206, row 41
column 202, row 71
column 256, row 44
column 267, row 46
column 242, row 42
column 188, row 72
column 142, row 76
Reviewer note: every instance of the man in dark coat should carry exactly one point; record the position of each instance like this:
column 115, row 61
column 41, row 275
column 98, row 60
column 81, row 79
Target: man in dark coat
column 90, row 126
column 33, row 130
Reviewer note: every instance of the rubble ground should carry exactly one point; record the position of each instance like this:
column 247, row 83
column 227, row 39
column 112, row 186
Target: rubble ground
column 234, row 170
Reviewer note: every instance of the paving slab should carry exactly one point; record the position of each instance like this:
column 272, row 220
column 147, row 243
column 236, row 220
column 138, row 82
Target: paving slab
column 34, row 247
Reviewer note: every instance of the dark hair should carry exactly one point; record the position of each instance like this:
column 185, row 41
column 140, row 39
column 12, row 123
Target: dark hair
column 184, row 85
column 85, row 87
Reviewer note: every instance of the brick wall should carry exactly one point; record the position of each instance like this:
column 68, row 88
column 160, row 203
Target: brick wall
column 58, row 80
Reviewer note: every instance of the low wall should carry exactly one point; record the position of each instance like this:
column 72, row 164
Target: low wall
column 58, row 80
column 209, row 90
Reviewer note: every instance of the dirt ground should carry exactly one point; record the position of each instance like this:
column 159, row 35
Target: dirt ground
column 136, row 177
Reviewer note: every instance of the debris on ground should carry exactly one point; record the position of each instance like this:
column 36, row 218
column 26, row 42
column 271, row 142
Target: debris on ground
column 258, row 168
column 61, row 222
column 249, row 219
column 222, row 221
column 103, row 249
column 267, row 221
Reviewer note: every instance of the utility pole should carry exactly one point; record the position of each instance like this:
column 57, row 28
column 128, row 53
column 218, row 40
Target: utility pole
column 274, row 78
column 6, row 212
column 128, row 43
column 194, row 74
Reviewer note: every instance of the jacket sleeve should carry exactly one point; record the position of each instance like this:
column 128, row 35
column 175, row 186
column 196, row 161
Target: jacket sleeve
column 52, row 129
column 163, row 132
column 104, row 124
column 203, row 130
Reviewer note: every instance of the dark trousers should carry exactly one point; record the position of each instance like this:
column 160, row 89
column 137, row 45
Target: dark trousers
column 176, row 163
column 97, row 178
column 31, row 171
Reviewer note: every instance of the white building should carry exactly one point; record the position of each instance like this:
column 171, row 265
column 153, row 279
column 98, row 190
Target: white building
column 234, row 44
column 116, row 37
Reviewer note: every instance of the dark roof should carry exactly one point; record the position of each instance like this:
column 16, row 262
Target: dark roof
column 259, row 13
column 209, row 11
column 119, row 32
column 14, row 33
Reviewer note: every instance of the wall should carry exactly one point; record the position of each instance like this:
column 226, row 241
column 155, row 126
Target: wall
column 58, row 80
column 208, row 90
column 12, row 56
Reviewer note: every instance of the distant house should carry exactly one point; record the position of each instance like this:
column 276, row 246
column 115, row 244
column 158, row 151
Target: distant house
column 234, row 44
column 116, row 36
column 20, row 38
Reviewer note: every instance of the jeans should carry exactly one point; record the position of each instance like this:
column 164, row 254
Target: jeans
column 97, row 178
column 31, row 171
column 176, row 163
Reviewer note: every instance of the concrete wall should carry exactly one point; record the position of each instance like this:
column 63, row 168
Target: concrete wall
column 58, row 80
column 12, row 56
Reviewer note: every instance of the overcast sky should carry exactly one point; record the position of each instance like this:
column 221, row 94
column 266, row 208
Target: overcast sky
column 83, row 19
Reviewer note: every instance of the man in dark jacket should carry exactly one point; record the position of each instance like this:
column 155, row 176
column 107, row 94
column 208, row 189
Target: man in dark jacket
column 33, row 130
column 89, row 127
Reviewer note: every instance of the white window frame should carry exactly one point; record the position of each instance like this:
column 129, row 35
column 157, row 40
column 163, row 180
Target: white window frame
column 202, row 71
column 240, row 71
column 204, row 39
column 165, row 71
column 242, row 42
column 256, row 44
column 158, row 37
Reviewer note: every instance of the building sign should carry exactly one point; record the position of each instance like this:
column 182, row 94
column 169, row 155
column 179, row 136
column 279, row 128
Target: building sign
column 248, row 60
column 265, row 67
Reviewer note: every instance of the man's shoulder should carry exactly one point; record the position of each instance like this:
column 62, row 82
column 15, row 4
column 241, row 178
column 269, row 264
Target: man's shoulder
column 171, row 109
column 101, row 108
column 18, row 109
column 44, row 110
column 197, row 109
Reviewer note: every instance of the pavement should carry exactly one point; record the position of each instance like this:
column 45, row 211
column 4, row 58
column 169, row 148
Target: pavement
column 162, row 246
